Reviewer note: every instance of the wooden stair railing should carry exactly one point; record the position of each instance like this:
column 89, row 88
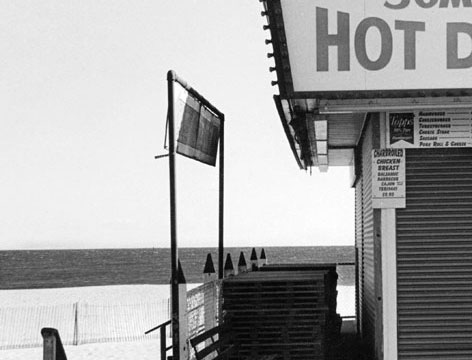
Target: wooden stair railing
column 52, row 345
column 162, row 328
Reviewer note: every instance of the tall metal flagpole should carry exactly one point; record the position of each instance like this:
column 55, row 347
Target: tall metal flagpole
column 173, row 220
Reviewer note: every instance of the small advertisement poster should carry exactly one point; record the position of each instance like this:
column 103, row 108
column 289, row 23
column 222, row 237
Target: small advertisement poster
column 429, row 129
column 388, row 178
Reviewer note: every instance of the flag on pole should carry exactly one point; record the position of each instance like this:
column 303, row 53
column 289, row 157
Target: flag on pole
column 197, row 129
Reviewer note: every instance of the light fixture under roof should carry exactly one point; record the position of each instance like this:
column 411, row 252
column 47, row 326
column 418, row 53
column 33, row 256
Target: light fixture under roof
column 321, row 141
column 321, row 129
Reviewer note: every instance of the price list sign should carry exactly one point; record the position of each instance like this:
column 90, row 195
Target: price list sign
column 430, row 129
column 388, row 178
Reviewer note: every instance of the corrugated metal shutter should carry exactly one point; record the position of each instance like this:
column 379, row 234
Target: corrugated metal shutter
column 368, row 289
column 434, row 256
column 359, row 210
column 366, row 299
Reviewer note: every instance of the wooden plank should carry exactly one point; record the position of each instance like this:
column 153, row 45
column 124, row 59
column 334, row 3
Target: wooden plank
column 295, row 308
column 205, row 336
column 271, row 293
column 283, row 307
column 276, row 283
column 207, row 350
column 277, row 297
column 268, row 295
column 252, row 318
column 273, row 277
column 279, row 328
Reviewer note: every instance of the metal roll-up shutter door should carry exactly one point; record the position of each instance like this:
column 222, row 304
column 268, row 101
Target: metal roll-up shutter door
column 434, row 256
column 368, row 277
column 359, row 210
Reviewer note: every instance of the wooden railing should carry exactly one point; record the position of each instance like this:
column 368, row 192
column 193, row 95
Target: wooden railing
column 162, row 329
column 52, row 345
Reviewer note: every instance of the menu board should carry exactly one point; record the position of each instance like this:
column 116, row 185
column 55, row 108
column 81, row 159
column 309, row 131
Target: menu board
column 429, row 129
column 388, row 178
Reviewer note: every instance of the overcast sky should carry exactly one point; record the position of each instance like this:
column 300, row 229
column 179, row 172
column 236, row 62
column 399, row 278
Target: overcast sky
column 82, row 111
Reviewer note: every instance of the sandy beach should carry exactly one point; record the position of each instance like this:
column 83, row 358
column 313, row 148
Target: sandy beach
column 90, row 294
column 111, row 296
column 144, row 350
column 82, row 315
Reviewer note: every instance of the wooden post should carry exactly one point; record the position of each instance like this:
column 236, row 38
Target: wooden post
column 263, row 258
column 388, row 250
column 242, row 265
column 210, row 301
column 52, row 345
column 163, row 334
column 253, row 259
column 209, row 270
column 49, row 345
column 209, row 295
column 183, row 321
column 229, row 268
column 75, row 341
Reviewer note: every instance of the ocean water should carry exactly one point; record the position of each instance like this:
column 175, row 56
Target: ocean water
column 36, row 269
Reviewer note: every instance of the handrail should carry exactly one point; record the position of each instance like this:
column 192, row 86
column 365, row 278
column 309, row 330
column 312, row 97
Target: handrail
column 162, row 328
column 52, row 345
column 158, row 327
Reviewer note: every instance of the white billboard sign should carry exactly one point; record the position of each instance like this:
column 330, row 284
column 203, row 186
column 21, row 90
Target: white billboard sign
column 429, row 129
column 361, row 45
column 388, row 178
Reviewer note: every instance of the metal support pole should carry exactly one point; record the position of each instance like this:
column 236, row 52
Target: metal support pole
column 173, row 220
column 221, row 199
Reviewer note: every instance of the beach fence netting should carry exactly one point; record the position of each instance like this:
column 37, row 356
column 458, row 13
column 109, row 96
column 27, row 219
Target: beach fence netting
column 83, row 322
column 128, row 322
column 21, row 326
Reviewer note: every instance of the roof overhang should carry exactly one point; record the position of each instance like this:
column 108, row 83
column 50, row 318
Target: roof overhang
column 342, row 92
column 343, row 131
